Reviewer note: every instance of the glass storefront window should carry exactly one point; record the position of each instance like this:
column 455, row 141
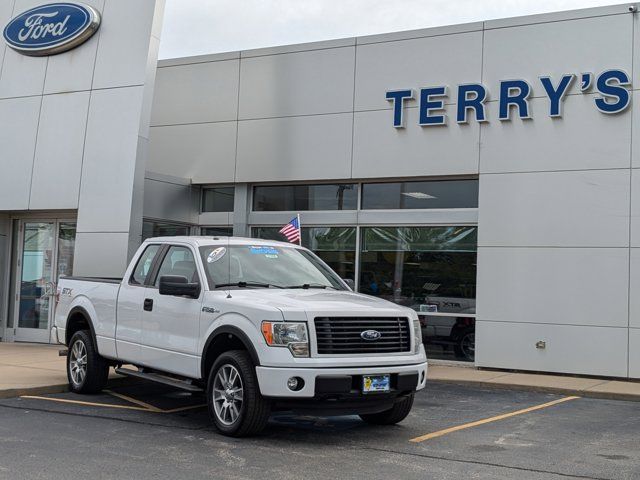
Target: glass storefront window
column 297, row 198
column 433, row 271
column 420, row 195
column 218, row 199
column 336, row 246
column 152, row 229
column 216, row 231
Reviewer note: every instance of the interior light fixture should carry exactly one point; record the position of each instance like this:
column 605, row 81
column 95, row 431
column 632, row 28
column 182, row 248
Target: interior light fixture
column 419, row 195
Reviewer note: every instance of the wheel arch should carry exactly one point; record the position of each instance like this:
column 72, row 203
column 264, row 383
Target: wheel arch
column 78, row 318
column 223, row 339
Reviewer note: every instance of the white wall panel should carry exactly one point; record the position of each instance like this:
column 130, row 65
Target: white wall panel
column 297, row 148
column 565, row 286
column 380, row 150
column 123, row 50
column 59, row 148
column 108, row 168
column 19, row 124
column 555, row 48
column 302, row 83
column 569, row 349
column 579, row 209
column 634, row 353
column 583, row 139
column 73, row 71
column 201, row 92
column 204, row 153
column 6, row 12
column 421, row 62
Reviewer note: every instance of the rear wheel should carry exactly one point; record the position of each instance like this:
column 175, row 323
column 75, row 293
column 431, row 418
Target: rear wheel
column 236, row 406
column 394, row 415
column 87, row 371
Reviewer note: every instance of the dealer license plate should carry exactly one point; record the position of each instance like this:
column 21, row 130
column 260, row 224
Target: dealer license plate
column 376, row 383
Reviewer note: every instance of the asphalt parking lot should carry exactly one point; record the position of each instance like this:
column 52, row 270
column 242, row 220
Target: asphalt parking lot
column 148, row 431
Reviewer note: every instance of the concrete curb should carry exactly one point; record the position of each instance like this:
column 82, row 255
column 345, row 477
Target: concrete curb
column 541, row 389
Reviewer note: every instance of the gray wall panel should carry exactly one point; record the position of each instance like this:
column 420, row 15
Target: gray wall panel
column 303, row 83
column 19, row 120
column 59, row 149
column 296, row 148
column 573, row 209
column 555, row 48
column 203, row 152
column 569, row 349
column 563, row 286
column 201, row 92
column 380, row 150
column 416, row 63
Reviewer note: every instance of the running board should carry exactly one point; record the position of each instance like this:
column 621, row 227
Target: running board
column 154, row 377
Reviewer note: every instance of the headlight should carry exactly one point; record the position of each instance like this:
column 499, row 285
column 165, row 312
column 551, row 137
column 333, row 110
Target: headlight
column 291, row 335
column 417, row 335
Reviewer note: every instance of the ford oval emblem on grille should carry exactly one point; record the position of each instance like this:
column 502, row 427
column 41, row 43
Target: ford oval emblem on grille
column 370, row 335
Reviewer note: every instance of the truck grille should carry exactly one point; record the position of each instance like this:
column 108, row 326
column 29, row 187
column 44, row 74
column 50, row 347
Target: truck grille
column 341, row 335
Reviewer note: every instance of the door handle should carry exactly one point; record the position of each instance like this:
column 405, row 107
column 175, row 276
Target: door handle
column 148, row 304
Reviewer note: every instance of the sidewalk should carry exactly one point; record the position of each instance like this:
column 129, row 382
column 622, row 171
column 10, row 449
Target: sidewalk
column 36, row 369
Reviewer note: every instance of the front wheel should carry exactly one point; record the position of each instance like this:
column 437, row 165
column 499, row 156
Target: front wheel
column 236, row 406
column 87, row 371
column 394, row 415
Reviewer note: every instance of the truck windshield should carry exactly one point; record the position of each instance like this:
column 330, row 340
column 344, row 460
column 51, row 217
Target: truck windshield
column 266, row 266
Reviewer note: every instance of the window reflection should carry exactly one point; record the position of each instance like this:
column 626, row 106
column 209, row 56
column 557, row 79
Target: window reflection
column 305, row 197
column 336, row 246
column 152, row 229
column 425, row 195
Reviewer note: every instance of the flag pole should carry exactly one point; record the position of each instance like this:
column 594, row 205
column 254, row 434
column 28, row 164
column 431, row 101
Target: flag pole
column 300, row 229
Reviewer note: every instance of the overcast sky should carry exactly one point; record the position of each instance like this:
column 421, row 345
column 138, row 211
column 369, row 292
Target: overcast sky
column 195, row 27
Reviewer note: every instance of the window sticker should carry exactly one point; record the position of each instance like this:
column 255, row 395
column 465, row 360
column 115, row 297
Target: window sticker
column 216, row 254
column 270, row 252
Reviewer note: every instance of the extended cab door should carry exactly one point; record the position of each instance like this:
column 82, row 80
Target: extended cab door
column 170, row 323
column 130, row 304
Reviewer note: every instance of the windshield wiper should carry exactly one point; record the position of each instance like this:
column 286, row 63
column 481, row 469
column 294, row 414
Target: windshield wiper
column 247, row 284
column 307, row 286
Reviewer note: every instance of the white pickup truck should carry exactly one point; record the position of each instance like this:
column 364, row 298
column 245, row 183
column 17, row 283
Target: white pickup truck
column 258, row 325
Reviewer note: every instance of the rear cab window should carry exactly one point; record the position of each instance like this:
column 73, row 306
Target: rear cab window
column 143, row 267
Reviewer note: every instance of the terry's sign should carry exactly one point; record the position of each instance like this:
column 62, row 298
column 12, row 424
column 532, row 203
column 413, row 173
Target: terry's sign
column 610, row 85
column 52, row 28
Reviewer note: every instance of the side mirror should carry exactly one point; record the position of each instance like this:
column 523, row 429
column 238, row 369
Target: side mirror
column 177, row 285
column 350, row 283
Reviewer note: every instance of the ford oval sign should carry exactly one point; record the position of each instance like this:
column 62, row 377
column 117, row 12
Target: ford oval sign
column 52, row 28
column 370, row 335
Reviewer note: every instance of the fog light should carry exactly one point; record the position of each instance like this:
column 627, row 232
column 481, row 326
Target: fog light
column 295, row 383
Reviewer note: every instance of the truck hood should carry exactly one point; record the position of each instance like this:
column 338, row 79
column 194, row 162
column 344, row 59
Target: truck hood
column 295, row 303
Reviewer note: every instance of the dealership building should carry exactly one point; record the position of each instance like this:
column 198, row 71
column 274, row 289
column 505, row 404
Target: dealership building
column 485, row 174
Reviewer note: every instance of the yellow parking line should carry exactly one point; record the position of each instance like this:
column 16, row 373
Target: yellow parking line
column 90, row 404
column 446, row 431
column 135, row 401
column 182, row 409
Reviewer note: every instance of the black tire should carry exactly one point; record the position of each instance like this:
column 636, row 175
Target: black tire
column 394, row 415
column 465, row 346
column 254, row 409
column 96, row 368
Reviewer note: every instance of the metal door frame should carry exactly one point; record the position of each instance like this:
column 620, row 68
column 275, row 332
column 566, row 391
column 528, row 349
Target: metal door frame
column 24, row 334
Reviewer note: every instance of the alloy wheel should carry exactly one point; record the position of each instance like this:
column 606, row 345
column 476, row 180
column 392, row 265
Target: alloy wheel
column 227, row 394
column 78, row 362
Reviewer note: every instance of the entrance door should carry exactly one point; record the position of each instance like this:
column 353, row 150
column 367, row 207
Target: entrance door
column 45, row 252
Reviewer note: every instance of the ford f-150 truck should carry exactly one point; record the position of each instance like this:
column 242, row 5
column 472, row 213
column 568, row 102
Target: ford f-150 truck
column 258, row 325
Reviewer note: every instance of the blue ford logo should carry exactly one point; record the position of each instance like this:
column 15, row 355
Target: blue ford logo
column 52, row 28
column 370, row 335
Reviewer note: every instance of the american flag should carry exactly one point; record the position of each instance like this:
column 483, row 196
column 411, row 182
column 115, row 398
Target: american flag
column 292, row 230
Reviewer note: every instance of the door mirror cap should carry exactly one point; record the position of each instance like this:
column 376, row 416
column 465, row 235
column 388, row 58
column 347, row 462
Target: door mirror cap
column 179, row 286
column 350, row 283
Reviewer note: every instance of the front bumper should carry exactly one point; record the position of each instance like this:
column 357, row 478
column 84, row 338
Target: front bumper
column 337, row 381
